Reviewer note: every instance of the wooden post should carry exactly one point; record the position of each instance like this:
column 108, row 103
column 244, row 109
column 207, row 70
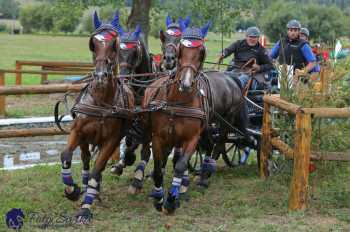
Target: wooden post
column 2, row 98
column 265, row 143
column 18, row 75
column 299, row 187
column 43, row 76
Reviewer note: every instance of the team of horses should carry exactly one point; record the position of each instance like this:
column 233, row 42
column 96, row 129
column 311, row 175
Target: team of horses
column 166, row 110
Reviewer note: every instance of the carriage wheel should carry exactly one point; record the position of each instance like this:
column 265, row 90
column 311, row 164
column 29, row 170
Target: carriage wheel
column 195, row 162
column 231, row 155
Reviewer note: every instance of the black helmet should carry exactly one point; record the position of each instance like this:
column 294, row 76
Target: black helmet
column 293, row 24
column 253, row 31
column 305, row 31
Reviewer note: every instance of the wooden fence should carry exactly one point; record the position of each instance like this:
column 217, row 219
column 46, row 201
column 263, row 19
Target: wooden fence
column 301, row 153
column 62, row 66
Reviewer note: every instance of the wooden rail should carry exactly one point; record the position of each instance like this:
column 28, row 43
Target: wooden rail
column 50, row 66
column 301, row 153
column 34, row 89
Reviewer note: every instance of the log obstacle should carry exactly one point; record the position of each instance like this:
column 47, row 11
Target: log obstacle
column 301, row 153
column 34, row 89
column 63, row 66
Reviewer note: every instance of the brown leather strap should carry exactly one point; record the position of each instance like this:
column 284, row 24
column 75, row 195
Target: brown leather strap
column 180, row 111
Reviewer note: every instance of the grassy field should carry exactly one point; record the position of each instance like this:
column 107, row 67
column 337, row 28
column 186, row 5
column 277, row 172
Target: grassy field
column 237, row 200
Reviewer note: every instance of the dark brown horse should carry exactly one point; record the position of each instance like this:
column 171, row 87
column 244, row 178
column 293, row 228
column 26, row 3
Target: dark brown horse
column 134, row 58
column 170, row 40
column 182, row 108
column 102, row 117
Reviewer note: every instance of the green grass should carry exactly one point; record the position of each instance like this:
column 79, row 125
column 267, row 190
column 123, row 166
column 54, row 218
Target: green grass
column 237, row 200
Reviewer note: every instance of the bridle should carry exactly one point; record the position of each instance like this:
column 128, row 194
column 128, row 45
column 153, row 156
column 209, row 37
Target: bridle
column 139, row 55
column 111, row 62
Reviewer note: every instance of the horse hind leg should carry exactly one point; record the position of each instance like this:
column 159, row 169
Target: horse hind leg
column 139, row 173
column 72, row 190
column 85, row 157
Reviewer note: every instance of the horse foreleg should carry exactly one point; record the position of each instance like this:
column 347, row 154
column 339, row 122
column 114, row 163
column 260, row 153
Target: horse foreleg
column 72, row 190
column 158, row 192
column 139, row 175
column 84, row 215
column 172, row 202
column 119, row 155
column 85, row 157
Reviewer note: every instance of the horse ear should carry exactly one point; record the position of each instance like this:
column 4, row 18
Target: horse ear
column 187, row 21
column 182, row 25
column 97, row 22
column 161, row 35
column 115, row 21
column 205, row 29
column 120, row 30
column 137, row 31
column 168, row 20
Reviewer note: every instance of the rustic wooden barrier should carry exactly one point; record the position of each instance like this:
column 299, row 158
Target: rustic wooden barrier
column 34, row 89
column 51, row 66
column 301, row 153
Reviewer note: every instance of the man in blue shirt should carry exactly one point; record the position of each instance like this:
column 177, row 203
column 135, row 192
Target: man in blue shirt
column 294, row 51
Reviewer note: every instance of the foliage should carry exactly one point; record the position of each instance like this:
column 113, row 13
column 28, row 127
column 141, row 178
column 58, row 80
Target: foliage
column 66, row 15
column 324, row 22
column 276, row 16
column 36, row 17
column 9, row 9
column 105, row 13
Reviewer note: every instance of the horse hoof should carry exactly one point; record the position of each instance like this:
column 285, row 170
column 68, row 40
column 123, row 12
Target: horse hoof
column 158, row 204
column 133, row 191
column 203, row 183
column 130, row 158
column 84, row 216
column 117, row 169
column 184, row 196
column 137, row 183
column 73, row 196
column 170, row 205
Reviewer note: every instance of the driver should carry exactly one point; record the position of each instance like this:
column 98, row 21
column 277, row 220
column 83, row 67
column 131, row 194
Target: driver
column 244, row 51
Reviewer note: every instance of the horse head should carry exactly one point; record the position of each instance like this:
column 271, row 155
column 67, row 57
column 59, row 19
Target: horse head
column 132, row 50
column 170, row 40
column 191, row 56
column 104, row 44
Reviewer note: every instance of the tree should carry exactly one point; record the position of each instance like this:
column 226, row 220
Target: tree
column 67, row 15
column 9, row 9
column 140, row 15
column 275, row 18
column 325, row 23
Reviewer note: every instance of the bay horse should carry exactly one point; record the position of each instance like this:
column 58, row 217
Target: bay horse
column 181, row 109
column 101, row 117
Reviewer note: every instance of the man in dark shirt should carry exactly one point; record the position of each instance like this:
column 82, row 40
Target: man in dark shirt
column 246, row 50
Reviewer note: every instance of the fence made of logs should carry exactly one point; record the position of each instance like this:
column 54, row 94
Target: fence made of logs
column 47, row 68
column 301, row 153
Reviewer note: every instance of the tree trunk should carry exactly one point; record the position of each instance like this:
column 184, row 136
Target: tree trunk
column 140, row 15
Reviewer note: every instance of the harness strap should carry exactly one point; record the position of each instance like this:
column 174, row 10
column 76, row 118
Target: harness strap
column 180, row 111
